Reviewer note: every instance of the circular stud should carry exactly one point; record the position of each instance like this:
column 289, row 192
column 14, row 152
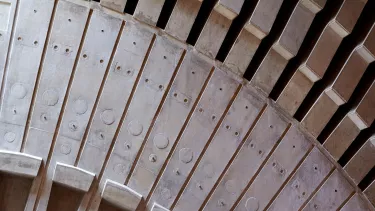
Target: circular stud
column 108, row 117
column 186, row 155
column 80, row 106
column 252, row 204
column 10, row 137
column 135, row 128
column 18, row 91
column 50, row 97
column 160, row 141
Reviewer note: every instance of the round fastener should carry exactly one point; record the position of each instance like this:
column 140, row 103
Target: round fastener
column 108, row 117
column 135, row 128
column 152, row 158
column 160, row 141
column 65, row 149
column 230, row 186
column 10, row 137
column 50, row 97
column 209, row 170
column 80, row 106
column 100, row 135
column 44, row 117
column 177, row 172
column 252, row 204
column 166, row 194
column 221, row 202
column 186, row 155
column 119, row 168
column 127, row 145
column 18, row 91
column 73, row 125
column 199, row 186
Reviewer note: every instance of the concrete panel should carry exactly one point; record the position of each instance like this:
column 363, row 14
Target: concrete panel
column 261, row 142
column 196, row 135
column 121, row 196
column 73, row 177
column 241, row 116
column 180, row 100
column 19, row 163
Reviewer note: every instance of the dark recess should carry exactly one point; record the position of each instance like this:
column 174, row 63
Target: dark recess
column 317, row 26
column 369, row 178
column 282, row 18
column 203, row 14
column 358, row 34
column 165, row 13
column 235, row 28
column 359, row 92
column 363, row 136
column 130, row 7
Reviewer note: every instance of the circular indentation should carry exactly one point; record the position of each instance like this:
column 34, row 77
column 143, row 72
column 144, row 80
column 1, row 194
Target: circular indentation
column 221, row 202
column 128, row 72
column 209, row 170
column 161, row 141
column 315, row 167
column 200, row 110
column 100, row 135
column 134, row 43
column 213, row 118
column 127, row 145
column 166, row 194
column 108, row 117
column 221, row 89
column 164, row 57
column 193, row 72
column 65, row 149
column 50, row 97
column 252, row 145
column 119, row 168
column 294, row 146
column 175, row 94
column 273, row 164
column 146, row 80
column 35, row 42
column 199, row 186
column 14, row 111
column 44, row 117
column 227, row 127
column 101, row 61
column 185, row 100
column 160, row 87
column 67, row 50
column 80, row 106
column 10, row 137
column 260, row 152
column 186, row 155
column 177, row 171
column 271, row 126
column 18, row 91
column 303, row 193
column 70, row 20
column 84, row 56
column 236, row 133
column 252, row 204
column 73, row 125
column 152, row 158
column 102, row 30
column 55, row 47
column 246, row 107
column 316, row 206
column 230, row 186
column 35, row 11
column 335, row 191
column 135, row 128
column 19, row 38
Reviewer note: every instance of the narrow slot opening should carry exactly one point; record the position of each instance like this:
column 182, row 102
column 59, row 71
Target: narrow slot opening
column 203, row 14
column 282, row 18
column 317, row 26
column 358, row 34
column 165, row 13
column 235, row 29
